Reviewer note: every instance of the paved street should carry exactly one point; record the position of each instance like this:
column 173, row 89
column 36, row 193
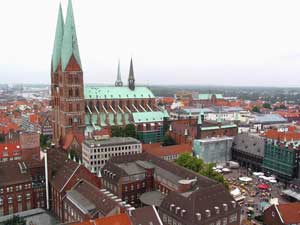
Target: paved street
column 253, row 195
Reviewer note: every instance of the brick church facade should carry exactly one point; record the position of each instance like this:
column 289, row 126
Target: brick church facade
column 83, row 110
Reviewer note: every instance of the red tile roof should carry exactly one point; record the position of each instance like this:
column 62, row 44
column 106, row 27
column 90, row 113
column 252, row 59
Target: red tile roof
column 68, row 139
column 160, row 151
column 10, row 150
column 282, row 136
column 290, row 212
column 121, row 219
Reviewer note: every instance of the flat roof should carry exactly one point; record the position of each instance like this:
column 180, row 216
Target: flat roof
column 111, row 141
column 152, row 198
column 214, row 139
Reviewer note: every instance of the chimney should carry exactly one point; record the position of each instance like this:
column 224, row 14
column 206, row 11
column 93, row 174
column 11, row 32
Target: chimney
column 177, row 209
column 233, row 204
column 207, row 212
column 182, row 212
column 217, row 209
column 171, row 207
column 198, row 215
column 225, row 206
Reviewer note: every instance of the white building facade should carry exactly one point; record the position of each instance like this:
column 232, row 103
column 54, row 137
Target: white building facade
column 95, row 153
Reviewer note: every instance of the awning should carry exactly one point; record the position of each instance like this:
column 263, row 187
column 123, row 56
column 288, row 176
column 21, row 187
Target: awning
column 291, row 193
column 263, row 186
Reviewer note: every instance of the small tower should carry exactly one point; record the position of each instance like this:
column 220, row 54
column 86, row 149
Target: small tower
column 119, row 82
column 131, row 80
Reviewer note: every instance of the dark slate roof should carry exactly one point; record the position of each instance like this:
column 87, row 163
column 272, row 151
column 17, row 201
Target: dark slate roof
column 159, row 164
column 14, row 172
column 91, row 199
column 60, row 168
column 145, row 216
column 198, row 202
column 249, row 143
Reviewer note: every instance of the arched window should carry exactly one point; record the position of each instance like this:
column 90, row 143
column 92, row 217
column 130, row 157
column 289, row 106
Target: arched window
column 113, row 104
column 78, row 107
column 76, row 92
column 70, row 92
column 105, row 104
column 70, row 108
column 128, row 104
column 70, row 121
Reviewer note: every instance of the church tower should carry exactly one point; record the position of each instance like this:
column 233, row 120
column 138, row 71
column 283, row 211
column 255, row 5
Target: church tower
column 119, row 82
column 131, row 80
column 66, row 79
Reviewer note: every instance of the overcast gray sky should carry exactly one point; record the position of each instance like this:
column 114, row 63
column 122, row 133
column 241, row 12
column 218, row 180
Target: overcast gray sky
column 226, row 42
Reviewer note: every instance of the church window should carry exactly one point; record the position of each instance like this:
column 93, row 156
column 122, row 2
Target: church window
column 70, row 121
column 70, row 92
column 76, row 92
column 70, row 108
column 78, row 107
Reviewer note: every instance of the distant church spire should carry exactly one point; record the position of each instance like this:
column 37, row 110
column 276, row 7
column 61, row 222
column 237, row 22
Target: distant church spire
column 119, row 82
column 56, row 54
column 131, row 80
column 69, row 43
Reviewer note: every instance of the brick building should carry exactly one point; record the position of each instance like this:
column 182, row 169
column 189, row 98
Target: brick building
column 282, row 214
column 82, row 109
column 63, row 175
column 30, row 145
column 169, row 153
column 22, row 186
column 184, row 131
column 85, row 201
column 181, row 196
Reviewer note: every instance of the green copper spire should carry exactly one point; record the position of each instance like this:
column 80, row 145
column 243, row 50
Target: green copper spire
column 119, row 82
column 131, row 79
column 69, row 44
column 58, row 39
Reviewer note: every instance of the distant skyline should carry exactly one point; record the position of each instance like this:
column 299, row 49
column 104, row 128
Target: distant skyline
column 232, row 42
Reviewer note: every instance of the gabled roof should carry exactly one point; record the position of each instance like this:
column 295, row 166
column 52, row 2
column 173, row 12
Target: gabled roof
column 145, row 216
column 289, row 212
column 58, row 39
column 121, row 219
column 70, row 137
column 69, row 43
column 90, row 199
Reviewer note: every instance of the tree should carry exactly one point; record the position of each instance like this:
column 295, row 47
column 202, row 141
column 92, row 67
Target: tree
column 15, row 220
column 168, row 140
column 130, row 131
column 256, row 109
column 197, row 165
column 267, row 105
column 44, row 141
column 116, row 131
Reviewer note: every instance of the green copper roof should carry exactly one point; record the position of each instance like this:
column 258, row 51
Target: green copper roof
column 228, row 126
column 58, row 39
column 146, row 117
column 69, row 43
column 208, row 96
column 116, row 93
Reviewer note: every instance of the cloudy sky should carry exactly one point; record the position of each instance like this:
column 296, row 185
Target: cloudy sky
column 232, row 42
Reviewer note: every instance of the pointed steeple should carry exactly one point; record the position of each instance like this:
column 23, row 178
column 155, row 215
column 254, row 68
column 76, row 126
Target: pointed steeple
column 131, row 80
column 69, row 43
column 119, row 82
column 58, row 39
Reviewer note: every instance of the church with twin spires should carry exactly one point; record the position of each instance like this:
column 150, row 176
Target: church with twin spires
column 81, row 110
